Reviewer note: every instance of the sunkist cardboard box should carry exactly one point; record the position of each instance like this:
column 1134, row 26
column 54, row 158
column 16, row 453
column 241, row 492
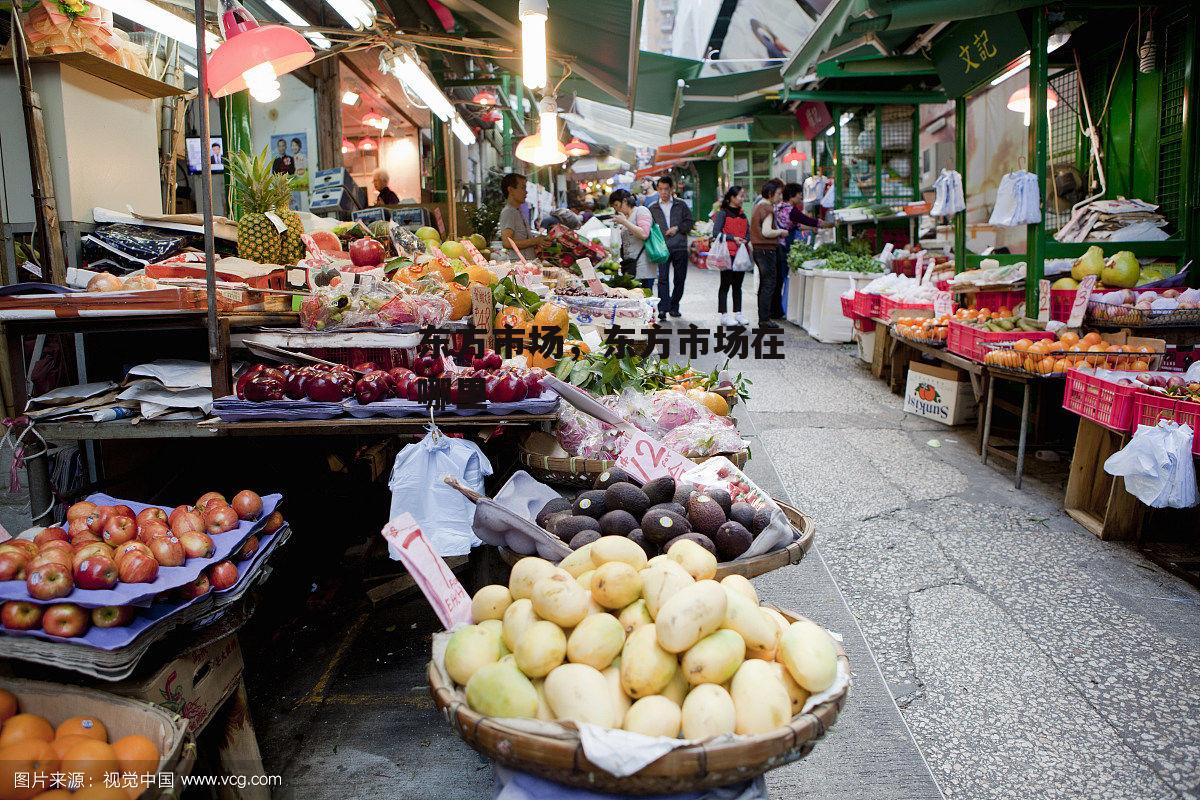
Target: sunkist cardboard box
column 939, row 393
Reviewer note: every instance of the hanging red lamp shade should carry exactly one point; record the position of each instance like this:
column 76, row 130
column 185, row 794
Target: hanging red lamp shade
column 490, row 117
column 367, row 145
column 794, row 156
column 576, row 148
column 253, row 56
column 373, row 119
column 484, row 98
column 347, row 146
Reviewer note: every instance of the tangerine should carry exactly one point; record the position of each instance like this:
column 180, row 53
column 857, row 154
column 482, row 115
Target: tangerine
column 1069, row 338
column 82, row 726
column 136, row 753
column 24, row 758
column 1090, row 339
column 62, row 744
column 20, row 727
column 1022, row 345
column 93, row 760
column 8, row 704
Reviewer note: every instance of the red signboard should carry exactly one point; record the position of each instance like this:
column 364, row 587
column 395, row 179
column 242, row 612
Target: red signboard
column 814, row 118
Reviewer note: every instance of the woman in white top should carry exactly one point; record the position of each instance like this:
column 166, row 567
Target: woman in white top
column 633, row 222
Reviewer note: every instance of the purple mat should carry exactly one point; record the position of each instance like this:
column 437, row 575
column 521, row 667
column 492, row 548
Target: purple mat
column 125, row 594
column 545, row 403
column 231, row 409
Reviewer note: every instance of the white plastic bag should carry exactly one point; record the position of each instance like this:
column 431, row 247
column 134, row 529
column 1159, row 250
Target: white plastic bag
column 1157, row 465
column 417, row 487
column 743, row 262
column 718, row 254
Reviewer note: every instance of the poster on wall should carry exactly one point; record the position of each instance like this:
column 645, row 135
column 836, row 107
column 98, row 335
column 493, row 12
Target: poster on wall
column 290, row 157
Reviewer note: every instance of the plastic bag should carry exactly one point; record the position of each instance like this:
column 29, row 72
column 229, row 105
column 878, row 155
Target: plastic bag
column 718, row 254
column 743, row 262
column 656, row 245
column 1157, row 465
column 445, row 516
column 124, row 248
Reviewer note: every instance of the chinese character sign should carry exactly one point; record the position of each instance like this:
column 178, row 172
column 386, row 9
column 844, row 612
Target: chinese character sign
column 971, row 52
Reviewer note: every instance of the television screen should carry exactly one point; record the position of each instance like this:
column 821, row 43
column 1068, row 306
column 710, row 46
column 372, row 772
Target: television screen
column 215, row 153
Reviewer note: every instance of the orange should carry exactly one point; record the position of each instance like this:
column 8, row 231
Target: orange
column 1090, row 339
column 93, row 759
column 459, row 297
column 54, row 794
column 25, row 726
column 1140, row 365
column 64, row 743
column 101, row 792
column 1022, row 345
column 512, row 315
column 24, row 758
column 8, row 704
column 136, row 754
column 552, row 315
column 82, row 726
column 1069, row 338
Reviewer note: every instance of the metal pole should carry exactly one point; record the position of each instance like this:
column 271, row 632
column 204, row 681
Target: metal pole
column 210, row 272
column 1038, row 122
column 506, row 126
column 960, row 164
column 451, row 181
column 838, row 197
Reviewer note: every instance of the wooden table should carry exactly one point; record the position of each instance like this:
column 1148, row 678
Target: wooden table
column 1030, row 383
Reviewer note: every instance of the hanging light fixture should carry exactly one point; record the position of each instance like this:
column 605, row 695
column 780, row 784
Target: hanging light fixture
column 1019, row 101
column 372, row 119
column 550, row 149
column 359, row 14
column 484, row 98
column 406, row 66
column 367, row 145
column 576, row 148
column 793, row 157
column 533, row 14
column 347, row 146
column 253, row 56
column 490, row 117
column 350, row 98
column 463, row 131
column 158, row 19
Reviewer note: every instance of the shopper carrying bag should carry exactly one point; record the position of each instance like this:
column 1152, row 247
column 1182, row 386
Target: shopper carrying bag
column 673, row 222
column 718, row 254
column 731, row 225
column 633, row 223
column 764, row 237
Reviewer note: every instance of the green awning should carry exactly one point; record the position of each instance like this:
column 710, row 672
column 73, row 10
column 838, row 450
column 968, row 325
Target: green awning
column 831, row 24
column 657, row 77
column 714, row 100
column 598, row 37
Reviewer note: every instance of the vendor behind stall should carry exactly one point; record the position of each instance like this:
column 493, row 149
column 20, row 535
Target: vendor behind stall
column 513, row 224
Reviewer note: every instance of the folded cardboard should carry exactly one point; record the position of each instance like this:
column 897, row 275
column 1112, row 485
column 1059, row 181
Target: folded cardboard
column 939, row 393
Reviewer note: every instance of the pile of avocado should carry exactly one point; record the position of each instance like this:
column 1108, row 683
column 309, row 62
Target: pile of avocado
column 1013, row 325
column 655, row 515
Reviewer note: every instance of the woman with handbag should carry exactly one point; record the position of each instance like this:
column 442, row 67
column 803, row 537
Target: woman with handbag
column 730, row 222
column 634, row 223
column 764, row 237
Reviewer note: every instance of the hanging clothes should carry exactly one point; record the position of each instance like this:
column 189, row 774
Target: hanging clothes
column 948, row 194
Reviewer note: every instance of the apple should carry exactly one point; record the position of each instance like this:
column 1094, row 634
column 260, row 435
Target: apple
column 84, row 538
column 330, row 387
column 261, row 388
column 20, row 616
column 151, row 514
column 80, row 510
column 12, row 567
column 273, row 522
column 208, row 497
column 248, row 549
column 489, row 360
column 223, row 575
column 366, row 252
column 131, row 547
column 372, row 387
column 197, row 544
column 22, row 547
column 108, row 512
column 415, row 388
column 191, row 521
column 153, row 530
column 168, row 552
column 294, row 387
column 429, row 365
column 112, row 616
column 56, row 544
column 94, row 549
column 82, row 527
column 176, row 511
column 119, row 530
column 138, row 568
column 49, row 582
column 197, row 588
column 247, row 504
column 95, row 522
column 65, row 620
column 96, row 572
column 220, row 519
column 533, row 381
column 54, row 556
column 50, row 535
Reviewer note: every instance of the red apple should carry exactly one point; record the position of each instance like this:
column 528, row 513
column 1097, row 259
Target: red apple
column 220, row 519
column 366, row 252
column 151, row 514
column 49, row 582
column 96, row 572
column 197, row 544
column 138, row 568
column 21, row 616
column 247, row 504
column 53, row 556
column 112, row 616
column 24, row 546
column 196, row 588
column 80, row 527
column 153, row 530
column 176, row 511
column 131, row 547
column 80, row 510
column 92, row 550
column 12, row 567
column 273, row 523
column 190, row 521
column 57, row 544
column 167, row 551
column 66, row 620
column 119, row 530
column 208, row 497
column 223, row 575
column 248, row 549
column 82, row 539
column 11, row 547
column 50, row 535
column 108, row 512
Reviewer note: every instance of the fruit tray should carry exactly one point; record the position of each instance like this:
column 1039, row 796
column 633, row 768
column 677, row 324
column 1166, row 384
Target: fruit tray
column 231, row 409
column 1149, row 408
column 546, row 403
column 1113, row 314
column 970, row 341
column 125, row 594
column 1103, row 402
column 918, row 340
column 690, row 768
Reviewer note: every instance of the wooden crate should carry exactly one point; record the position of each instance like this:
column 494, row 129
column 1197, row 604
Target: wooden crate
column 1096, row 500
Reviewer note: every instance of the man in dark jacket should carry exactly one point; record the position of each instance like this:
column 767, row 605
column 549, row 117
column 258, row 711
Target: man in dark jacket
column 675, row 219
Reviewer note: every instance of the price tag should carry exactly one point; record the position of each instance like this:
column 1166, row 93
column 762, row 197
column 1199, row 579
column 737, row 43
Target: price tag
column 474, row 253
column 409, row 546
column 439, row 256
column 942, row 304
column 277, row 221
column 920, row 268
column 649, row 459
column 589, row 274
column 1081, row 300
column 29, row 266
column 1044, row 300
column 439, row 221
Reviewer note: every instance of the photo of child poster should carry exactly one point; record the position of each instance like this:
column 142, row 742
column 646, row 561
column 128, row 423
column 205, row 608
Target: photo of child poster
column 289, row 152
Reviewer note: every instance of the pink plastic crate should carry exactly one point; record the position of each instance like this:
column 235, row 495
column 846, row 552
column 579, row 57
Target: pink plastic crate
column 1105, row 403
column 887, row 305
column 971, row 342
column 994, row 301
column 1150, row 407
column 866, row 305
column 848, row 308
column 1061, row 301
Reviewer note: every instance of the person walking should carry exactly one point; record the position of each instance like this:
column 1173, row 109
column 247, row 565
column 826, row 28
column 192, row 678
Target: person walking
column 675, row 219
column 633, row 222
column 764, row 236
column 731, row 220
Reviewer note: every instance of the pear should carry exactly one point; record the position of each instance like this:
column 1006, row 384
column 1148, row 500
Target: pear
column 1090, row 263
column 1065, row 283
column 1121, row 270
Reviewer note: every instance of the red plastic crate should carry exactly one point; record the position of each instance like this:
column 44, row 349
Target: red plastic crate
column 994, row 301
column 1150, row 407
column 908, row 266
column 970, row 342
column 866, row 305
column 887, row 305
column 1061, row 301
column 1105, row 403
column 848, row 307
column 1187, row 412
column 865, row 325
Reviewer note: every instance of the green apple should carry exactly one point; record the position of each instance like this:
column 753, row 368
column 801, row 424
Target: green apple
column 426, row 232
column 453, row 249
column 478, row 240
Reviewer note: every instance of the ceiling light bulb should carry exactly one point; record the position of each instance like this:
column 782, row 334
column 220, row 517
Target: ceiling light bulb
column 262, row 82
column 159, row 19
column 349, row 98
column 533, row 14
column 460, row 129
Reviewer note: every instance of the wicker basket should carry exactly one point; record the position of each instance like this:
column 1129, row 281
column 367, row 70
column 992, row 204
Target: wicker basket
column 692, row 768
column 755, row 565
column 534, row 454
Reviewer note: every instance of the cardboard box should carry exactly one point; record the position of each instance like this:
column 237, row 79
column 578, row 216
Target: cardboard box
column 939, row 393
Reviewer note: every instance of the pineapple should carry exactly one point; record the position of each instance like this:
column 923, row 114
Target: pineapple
column 262, row 192
column 292, row 249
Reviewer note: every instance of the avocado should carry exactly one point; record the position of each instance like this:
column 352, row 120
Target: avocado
column 660, row 490
column 557, row 504
column 611, row 476
column 552, row 520
column 722, row 497
column 762, row 518
column 704, row 514
column 626, row 497
column 663, row 525
column 591, row 503
column 637, row 537
column 678, row 509
column 584, row 537
column 698, row 538
column 617, row 523
column 743, row 513
column 732, row 539
column 567, row 527
column 683, row 493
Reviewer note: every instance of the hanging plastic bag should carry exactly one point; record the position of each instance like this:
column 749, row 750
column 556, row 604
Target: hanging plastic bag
column 656, row 245
column 743, row 262
column 443, row 513
column 1157, row 465
column 718, row 254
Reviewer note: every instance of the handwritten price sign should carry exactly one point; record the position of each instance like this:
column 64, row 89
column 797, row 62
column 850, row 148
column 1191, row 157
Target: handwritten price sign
column 474, row 253
column 645, row 458
column 942, row 304
column 409, row 546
